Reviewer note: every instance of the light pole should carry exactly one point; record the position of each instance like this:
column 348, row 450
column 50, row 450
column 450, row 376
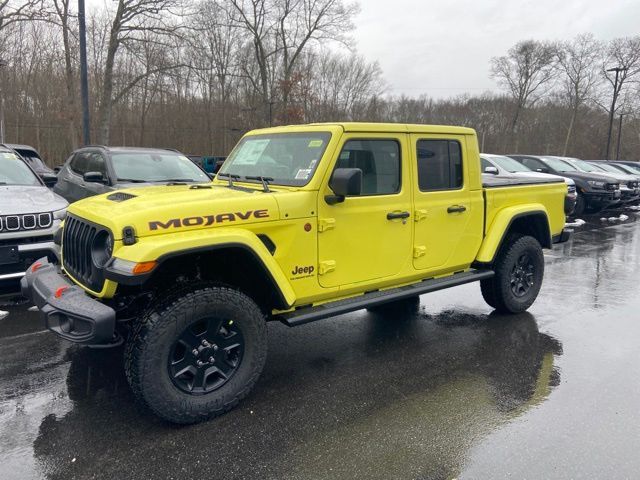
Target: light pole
column 2, row 65
column 613, row 106
column 619, row 136
column 84, row 81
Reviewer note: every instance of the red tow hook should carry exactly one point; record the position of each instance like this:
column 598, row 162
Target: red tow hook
column 60, row 291
column 36, row 266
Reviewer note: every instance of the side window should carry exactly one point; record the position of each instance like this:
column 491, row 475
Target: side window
column 79, row 163
column 529, row 163
column 96, row 163
column 439, row 165
column 379, row 161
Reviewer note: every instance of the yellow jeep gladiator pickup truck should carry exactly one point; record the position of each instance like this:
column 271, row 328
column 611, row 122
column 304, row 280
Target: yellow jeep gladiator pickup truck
column 301, row 223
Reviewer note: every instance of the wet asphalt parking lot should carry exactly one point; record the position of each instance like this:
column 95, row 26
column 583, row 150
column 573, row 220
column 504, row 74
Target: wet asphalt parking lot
column 442, row 390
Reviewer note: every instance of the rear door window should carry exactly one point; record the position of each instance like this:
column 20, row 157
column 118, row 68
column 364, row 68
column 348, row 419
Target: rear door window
column 439, row 165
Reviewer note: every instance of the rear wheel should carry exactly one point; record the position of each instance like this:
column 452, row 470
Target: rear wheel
column 519, row 269
column 196, row 357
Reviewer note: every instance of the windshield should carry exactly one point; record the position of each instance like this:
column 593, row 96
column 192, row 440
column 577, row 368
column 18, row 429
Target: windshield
column 155, row 167
column 286, row 158
column 586, row 167
column 509, row 164
column 626, row 169
column 559, row 165
column 13, row 171
column 608, row 168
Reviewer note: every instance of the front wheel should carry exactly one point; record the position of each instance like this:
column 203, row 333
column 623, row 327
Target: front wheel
column 519, row 269
column 197, row 356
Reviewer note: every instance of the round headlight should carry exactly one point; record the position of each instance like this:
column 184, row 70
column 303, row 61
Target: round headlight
column 102, row 248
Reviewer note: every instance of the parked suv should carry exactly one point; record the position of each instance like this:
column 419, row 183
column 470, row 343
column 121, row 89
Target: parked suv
column 595, row 191
column 30, row 214
column 502, row 165
column 32, row 157
column 95, row 169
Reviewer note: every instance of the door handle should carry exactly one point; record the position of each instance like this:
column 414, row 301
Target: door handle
column 456, row 209
column 396, row 215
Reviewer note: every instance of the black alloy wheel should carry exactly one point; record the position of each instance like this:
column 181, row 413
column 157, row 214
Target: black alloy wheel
column 206, row 355
column 522, row 275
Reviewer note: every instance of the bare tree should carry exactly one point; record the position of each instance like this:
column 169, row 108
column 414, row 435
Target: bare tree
column 578, row 62
column 64, row 19
column 281, row 30
column 525, row 72
column 19, row 11
column 131, row 18
column 620, row 67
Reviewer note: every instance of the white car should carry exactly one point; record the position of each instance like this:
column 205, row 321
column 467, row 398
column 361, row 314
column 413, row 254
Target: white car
column 507, row 166
column 30, row 215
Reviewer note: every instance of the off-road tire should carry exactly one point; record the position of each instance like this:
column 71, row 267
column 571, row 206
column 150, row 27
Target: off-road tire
column 497, row 291
column 149, row 346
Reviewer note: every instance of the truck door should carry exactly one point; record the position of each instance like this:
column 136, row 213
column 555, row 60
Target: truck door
column 368, row 236
column 448, row 214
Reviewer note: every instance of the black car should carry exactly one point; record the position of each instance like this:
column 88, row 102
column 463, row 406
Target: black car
column 96, row 169
column 32, row 157
column 595, row 192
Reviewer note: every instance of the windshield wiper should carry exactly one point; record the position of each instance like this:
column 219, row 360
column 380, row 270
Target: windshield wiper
column 131, row 180
column 174, row 180
column 265, row 182
column 230, row 176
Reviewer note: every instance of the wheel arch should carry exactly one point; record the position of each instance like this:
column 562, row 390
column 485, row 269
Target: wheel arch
column 533, row 222
column 235, row 257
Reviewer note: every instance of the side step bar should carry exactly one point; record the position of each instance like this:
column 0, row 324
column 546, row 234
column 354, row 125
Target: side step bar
column 311, row 314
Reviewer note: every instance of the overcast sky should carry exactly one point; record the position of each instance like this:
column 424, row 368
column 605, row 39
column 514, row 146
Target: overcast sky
column 442, row 47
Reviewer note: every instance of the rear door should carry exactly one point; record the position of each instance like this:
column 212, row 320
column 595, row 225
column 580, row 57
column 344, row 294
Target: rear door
column 448, row 214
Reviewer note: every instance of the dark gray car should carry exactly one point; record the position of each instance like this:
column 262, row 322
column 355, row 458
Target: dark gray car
column 94, row 170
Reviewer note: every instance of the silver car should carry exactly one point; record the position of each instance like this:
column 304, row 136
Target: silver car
column 30, row 215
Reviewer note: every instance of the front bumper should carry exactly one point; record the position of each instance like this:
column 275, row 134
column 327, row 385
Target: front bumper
column 602, row 199
column 27, row 254
column 66, row 309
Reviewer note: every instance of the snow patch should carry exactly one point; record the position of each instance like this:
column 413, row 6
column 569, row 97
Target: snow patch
column 3, row 314
column 623, row 217
column 578, row 222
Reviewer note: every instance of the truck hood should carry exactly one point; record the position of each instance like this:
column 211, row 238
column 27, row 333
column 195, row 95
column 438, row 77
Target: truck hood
column 584, row 176
column 177, row 208
column 19, row 199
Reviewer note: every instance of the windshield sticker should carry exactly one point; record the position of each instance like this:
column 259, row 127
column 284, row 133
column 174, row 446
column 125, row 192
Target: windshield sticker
column 312, row 164
column 251, row 152
column 303, row 174
column 315, row 143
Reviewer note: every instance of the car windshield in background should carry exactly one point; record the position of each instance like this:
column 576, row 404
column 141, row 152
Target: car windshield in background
column 155, row 167
column 509, row 164
column 286, row 158
column 13, row 171
column 609, row 168
column 587, row 167
column 559, row 165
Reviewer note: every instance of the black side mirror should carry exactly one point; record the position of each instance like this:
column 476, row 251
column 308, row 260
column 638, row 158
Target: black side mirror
column 94, row 177
column 49, row 179
column 344, row 182
column 57, row 168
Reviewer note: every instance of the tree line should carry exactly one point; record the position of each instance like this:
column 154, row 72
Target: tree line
column 196, row 75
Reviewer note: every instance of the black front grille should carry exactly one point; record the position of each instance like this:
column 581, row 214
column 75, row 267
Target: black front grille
column 77, row 240
column 28, row 221
column 612, row 186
